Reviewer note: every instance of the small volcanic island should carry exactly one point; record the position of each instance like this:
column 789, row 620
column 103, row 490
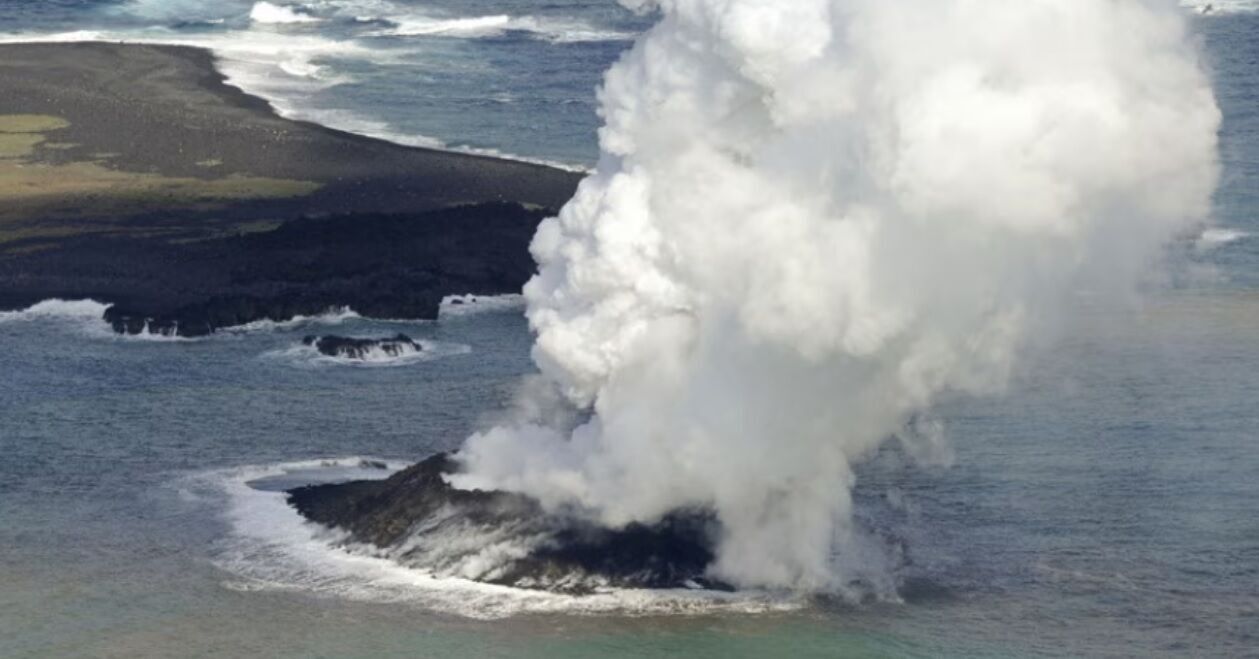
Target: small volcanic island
column 364, row 349
column 134, row 176
column 417, row 519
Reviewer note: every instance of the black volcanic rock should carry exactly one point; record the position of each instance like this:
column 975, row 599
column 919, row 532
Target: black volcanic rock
column 416, row 518
column 381, row 266
column 276, row 218
column 352, row 348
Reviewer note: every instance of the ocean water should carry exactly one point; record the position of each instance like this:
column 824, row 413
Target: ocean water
column 1103, row 507
column 512, row 77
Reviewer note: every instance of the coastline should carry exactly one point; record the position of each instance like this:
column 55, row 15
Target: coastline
column 147, row 151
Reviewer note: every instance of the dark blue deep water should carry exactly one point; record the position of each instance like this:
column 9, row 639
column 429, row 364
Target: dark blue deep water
column 1105, row 507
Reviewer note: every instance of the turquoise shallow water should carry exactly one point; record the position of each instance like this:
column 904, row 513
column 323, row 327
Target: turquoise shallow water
column 1105, row 507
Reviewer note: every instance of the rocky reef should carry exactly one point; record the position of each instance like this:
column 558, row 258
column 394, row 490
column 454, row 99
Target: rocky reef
column 397, row 265
column 135, row 176
column 364, row 349
column 417, row 519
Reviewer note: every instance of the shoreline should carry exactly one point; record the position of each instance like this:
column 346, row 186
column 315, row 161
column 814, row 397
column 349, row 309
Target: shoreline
column 225, row 79
column 222, row 63
column 136, row 175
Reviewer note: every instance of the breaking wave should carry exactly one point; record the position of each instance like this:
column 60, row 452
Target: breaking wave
column 306, row 356
column 269, row 547
column 474, row 27
column 58, row 309
column 265, row 12
column 333, row 316
column 86, row 317
column 1217, row 237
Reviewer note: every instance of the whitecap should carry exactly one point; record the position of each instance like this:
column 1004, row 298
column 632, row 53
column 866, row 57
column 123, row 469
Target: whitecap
column 57, row 308
column 86, row 317
column 1218, row 236
column 496, row 25
column 304, row 356
column 271, row 14
column 333, row 316
column 476, row 26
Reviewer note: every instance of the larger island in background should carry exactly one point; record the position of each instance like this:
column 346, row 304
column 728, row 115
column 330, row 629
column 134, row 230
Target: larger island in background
column 135, row 176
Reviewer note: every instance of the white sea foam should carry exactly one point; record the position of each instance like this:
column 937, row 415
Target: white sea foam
column 268, row 13
column 85, row 317
column 473, row 27
column 477, row 26
column 58, row 309
column 1218, row 237
column 269, row 547
column 272, row 65
column 304, row 356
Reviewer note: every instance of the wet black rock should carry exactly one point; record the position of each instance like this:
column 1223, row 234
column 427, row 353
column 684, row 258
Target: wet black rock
column 381, row 266
column 417, row 519
column 352, row 348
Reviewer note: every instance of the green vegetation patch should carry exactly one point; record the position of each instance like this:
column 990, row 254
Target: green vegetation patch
column 32, row 192
column 18, row 145
column 31, row 123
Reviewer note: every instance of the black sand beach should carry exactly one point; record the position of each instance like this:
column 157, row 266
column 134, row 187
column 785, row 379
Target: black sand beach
column 133, row 175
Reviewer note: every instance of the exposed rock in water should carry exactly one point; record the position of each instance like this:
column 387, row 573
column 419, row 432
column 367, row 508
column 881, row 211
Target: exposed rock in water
column 419, row 520
column 381, row 266
column 364, row 349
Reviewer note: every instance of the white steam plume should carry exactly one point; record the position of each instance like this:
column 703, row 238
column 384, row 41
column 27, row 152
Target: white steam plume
column 811, row 217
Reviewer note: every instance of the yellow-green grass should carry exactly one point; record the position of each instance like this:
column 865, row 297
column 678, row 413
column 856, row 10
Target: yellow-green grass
column 30, row 192
column 31, row 123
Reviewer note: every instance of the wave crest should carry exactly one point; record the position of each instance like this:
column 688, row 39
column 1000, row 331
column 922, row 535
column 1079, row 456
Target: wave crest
column 267, row 13
column 497, row 25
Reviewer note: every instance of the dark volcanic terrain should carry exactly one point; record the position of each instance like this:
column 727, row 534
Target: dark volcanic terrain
column 419, row 520
column 134, row 176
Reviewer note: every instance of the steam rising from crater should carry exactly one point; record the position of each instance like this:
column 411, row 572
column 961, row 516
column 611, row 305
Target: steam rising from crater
column 813, row 217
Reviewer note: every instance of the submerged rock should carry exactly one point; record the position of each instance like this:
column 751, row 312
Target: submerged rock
column 417, row 519
column 364, row 349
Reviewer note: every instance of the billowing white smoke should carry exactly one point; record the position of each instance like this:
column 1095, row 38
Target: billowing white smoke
column 810, row 219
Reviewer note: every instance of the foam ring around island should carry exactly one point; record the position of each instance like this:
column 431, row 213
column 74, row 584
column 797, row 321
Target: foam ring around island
column 270, row 547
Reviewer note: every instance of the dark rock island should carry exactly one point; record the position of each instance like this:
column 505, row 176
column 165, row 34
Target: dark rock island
column 363, row 349
column 134, row 176
column 419, row 520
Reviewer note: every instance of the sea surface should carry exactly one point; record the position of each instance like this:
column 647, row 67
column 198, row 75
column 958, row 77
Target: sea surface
column 1106, row 506
column 511, row 77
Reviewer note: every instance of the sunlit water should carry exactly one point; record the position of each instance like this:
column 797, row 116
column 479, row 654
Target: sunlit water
column 1105, row 507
